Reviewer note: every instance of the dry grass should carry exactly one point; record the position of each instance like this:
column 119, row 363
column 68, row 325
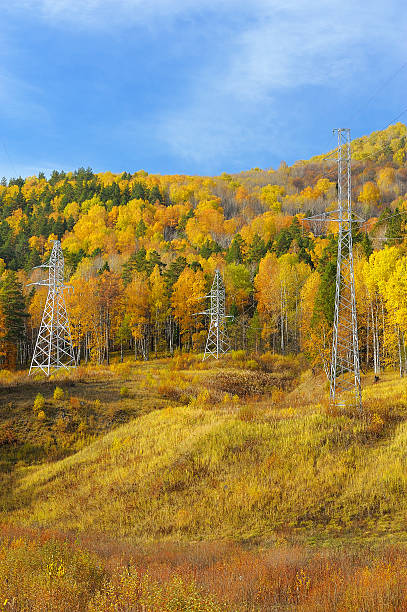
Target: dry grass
column 42, row 570
column 230, row 470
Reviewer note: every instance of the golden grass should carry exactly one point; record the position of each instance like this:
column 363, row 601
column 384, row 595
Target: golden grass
column 248, row 472
column 254, row 466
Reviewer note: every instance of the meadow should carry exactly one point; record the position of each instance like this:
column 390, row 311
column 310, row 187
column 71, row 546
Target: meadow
column 177, row 484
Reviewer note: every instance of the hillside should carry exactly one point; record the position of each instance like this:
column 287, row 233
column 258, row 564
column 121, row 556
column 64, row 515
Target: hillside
column 242, row 470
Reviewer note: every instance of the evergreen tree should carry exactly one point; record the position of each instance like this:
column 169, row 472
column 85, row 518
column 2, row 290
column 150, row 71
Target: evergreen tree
column 184, row 218
column 235, row 251
column 137, row 262
column 257, row 249
column 138, row 192
column 173, row 271
column 155, row 195
column 367, row 245
column 104, row 268
column 283, row 242
column 14, row 315
column 209, row 247
column 153, row 260
column 394, row 229
column 140, row 229
column 125, row 196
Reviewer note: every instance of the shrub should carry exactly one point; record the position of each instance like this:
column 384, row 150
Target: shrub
column 7, row 436
column 243, row 384
column 59, row 394
column 124, row 391
column 82, row 427
column 247, row 414
column 277, row 396
column 75, row 403
column 237, row 355
column 41, row 415
column 39, row 402
column 251, row 364
column 201, row 400
column 121, row 369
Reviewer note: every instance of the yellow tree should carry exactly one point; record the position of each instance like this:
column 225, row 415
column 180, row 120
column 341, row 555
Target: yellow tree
column 369, row 195
column 83, row 315
column 278, row 284
column 267, row 286
column 395, row 291
column 159, row 303
column 315, row 331
column 138, row 302
column 378, row 272
column 109, row 296
column 189, row 287
column 238, row 287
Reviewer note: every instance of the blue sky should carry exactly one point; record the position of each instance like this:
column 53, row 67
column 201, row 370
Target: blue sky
column 193, row 86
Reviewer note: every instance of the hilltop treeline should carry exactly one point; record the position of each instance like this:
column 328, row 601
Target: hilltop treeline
column 140, row 250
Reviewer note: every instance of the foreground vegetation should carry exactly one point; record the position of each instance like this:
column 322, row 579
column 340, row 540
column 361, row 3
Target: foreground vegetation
column 42, row 570
column 182, row 485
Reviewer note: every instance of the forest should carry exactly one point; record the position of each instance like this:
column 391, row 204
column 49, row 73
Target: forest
column 141, row 250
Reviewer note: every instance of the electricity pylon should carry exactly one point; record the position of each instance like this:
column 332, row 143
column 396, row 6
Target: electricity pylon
column 217, row 342
column 53, row 348
column 345, row 367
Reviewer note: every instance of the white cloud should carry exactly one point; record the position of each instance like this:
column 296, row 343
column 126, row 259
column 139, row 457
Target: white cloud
column 232, row 102
column 106, row 13
column 284, row 46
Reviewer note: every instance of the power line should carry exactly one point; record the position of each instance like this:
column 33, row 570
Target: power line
column 378, row 90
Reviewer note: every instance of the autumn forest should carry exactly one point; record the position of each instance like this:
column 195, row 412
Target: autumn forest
column 140, row 250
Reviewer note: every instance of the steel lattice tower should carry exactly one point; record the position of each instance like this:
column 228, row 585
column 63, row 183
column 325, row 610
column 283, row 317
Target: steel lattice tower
column 53, row 348
column 345, row 368
column 217, row 342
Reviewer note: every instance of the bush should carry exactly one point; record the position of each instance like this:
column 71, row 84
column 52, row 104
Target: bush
column 251, row 364
column 39, row 402
column 201, row 400
column 41, row 415
column 244, row 384
column 124, row 391
column 75, row 403
column 59, row 394
column 247, row 414
column 7, row 436
column 237, row 355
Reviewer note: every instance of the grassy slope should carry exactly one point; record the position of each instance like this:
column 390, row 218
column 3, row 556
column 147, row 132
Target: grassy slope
column 191, row 473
